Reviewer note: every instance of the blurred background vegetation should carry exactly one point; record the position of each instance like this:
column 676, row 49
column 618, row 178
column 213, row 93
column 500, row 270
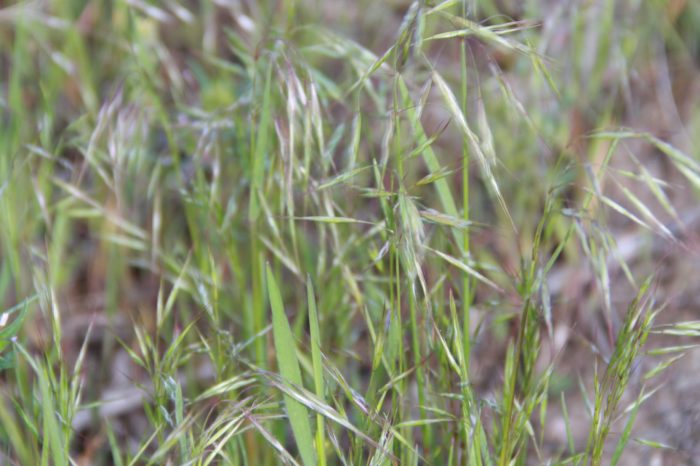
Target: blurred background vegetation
column 349, row 232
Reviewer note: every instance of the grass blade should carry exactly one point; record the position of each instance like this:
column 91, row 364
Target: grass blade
column 318, row 368
column 285, row 350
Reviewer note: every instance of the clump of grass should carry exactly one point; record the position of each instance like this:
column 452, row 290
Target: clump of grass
column 263, row 233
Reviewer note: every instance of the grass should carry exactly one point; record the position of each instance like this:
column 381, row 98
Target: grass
column 298, row 232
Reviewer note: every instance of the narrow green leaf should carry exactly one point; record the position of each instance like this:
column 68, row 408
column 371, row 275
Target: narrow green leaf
column 465, row 268
column 624, row 438
column 318, row 368
column 263, row 137
column 329, row 219
column 285, row 350
column 9, row 331
column 342, row 177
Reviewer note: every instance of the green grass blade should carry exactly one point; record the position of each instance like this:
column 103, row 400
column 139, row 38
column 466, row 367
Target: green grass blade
column 318, row 368
column 285, row 350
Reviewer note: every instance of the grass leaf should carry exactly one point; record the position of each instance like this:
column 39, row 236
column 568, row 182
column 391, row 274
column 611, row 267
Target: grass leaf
column 285, row 351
